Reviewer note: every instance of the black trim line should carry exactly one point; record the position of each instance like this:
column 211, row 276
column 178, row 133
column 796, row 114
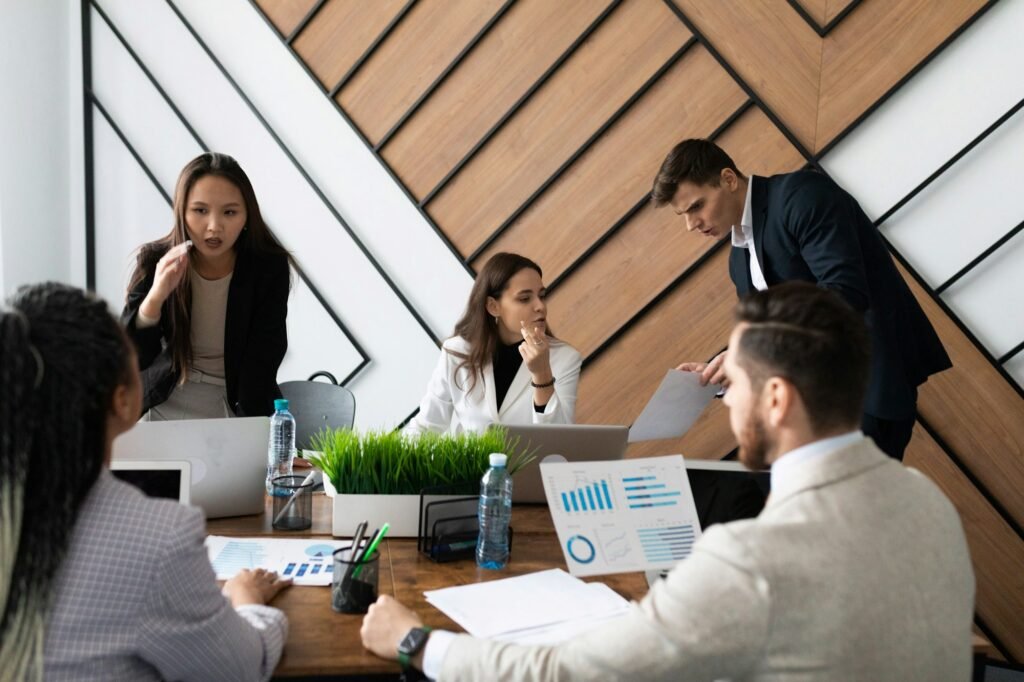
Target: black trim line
column 368, row 52
column 978, row 259
column 305, row 21
column 87, row 148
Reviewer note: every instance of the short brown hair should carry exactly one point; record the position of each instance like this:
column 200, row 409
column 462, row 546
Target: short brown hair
column 813, row 339
column 698, row 161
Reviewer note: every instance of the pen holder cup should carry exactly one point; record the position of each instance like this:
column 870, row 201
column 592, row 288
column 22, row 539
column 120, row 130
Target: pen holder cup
column 354, row 585
column 293, row 503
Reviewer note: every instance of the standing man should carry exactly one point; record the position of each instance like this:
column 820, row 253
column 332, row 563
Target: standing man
column 856, row 569
column 803, row 226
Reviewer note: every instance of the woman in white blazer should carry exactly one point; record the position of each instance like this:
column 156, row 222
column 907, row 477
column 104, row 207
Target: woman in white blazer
column 503, row 366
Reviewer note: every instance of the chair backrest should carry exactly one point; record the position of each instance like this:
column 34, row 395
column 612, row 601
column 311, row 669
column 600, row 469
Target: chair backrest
column 316, row 405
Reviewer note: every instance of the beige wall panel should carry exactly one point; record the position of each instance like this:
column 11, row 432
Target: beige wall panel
column 772, row 48
column 834, row 7
column 690, row 100
column 633, row 43
column 413, row 56
column 816, row 8
column 977, row 413
column 654, row 248
column 285, row 14
column 996, row 551
column 340, row 33
column 691, row 323
column 875, row 46
column 501, row 68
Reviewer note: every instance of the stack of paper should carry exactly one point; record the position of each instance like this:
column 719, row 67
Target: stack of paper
column 538, row 608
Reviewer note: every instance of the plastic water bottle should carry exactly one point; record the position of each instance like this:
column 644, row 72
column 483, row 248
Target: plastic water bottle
column 495, row 513
column 281, row 450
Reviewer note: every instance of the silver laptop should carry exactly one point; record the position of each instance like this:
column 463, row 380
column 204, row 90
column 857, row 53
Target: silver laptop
column 169, row 479
column 561, row 443
column 228, row 458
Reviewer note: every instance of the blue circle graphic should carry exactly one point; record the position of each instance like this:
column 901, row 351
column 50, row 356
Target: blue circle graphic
column 319, row 550
column 589, row 552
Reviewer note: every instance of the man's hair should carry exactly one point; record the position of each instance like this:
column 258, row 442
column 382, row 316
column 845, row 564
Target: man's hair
column 811, row 338
column 698, row 161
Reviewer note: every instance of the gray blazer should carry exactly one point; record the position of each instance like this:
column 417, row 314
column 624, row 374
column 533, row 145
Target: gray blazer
column 857, row 570
column 136, row 599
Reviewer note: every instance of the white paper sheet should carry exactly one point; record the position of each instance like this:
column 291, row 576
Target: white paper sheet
column 674, row 407
column 622, row 516
column 308, row 561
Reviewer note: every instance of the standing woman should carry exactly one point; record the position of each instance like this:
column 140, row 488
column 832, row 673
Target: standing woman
column 207, row 304
column 503, row 366
column 98, row 581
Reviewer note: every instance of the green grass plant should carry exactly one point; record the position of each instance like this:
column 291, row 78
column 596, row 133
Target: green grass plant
column 393, row 463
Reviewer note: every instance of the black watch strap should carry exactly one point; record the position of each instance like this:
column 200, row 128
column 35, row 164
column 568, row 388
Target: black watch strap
column 412, row 644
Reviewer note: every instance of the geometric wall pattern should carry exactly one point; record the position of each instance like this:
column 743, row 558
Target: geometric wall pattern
column 537, row 126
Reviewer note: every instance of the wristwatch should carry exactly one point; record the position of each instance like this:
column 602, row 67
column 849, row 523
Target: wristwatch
column 411, row 645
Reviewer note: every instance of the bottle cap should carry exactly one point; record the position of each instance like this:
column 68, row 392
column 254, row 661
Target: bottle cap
column 498, row 459
column 281, row 404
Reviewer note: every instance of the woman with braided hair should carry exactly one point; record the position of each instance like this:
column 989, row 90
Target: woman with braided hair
column 97, row 581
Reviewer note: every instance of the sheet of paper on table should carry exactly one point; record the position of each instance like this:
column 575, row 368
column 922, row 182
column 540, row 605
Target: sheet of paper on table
column 541, row 607
column 674, row 407
column 623, row 516
column 307, row 561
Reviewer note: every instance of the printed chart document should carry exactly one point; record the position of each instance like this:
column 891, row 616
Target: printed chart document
column 622, row 516
column 674, row 407
column 306, row 562
column 541, row 608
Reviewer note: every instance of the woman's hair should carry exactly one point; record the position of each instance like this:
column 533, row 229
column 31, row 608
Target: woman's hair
column 62, row 355
column 255, row 235
column 477, row 326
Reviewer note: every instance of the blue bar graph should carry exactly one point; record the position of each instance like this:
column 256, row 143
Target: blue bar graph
column 637, row 479
column 630, row 488
column 607, row 497
column 671, row 543
column 565, row 501
column 588, row 497
column 572, row 496
column 288, row 569
column 600, row 500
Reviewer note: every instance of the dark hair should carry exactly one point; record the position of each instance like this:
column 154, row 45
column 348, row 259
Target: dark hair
column 476, row 326
column 811, row 338
column 62, row 355
column 698, row 161
column 256, row 235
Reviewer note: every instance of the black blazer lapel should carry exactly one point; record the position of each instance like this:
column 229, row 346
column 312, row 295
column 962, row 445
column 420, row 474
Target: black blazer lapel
column 759, row 211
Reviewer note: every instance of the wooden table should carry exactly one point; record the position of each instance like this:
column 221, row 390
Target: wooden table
column 323, row 642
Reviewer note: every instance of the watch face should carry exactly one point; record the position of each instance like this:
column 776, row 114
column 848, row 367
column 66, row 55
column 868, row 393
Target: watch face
column 413, row 641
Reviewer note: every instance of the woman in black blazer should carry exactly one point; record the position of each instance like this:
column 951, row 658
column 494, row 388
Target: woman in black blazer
column 207, row 303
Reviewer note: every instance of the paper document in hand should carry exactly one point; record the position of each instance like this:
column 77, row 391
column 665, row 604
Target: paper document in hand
column 524, row 603
column 618, row 517
column 674, row 407
column 306, row 562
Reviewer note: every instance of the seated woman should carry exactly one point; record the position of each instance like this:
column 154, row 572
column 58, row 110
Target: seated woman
column 97, row 581
column 503, row 366
column 207, row 304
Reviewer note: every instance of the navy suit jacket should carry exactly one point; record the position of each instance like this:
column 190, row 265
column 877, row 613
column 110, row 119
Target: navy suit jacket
column 808, row 228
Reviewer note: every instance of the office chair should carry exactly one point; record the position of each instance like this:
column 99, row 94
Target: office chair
column 316, row 405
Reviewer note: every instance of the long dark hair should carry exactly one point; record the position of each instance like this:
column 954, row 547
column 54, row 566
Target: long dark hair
column 62, row 355
column 256, row 235
column 476, row 325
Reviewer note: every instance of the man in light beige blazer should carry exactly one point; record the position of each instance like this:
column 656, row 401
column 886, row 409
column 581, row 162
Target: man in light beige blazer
column 856, row 569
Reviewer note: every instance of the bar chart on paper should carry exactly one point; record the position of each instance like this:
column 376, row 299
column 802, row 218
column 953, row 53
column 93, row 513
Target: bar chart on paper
column 306, row 562
column 614, row 517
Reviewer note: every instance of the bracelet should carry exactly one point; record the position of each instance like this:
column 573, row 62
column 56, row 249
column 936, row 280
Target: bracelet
column 547, row 385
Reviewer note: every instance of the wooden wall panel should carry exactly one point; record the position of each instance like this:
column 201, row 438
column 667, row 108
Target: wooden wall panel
column 653, row 248
column 975, row 411
column 692, row 98
column 873, row 48
column 633, row 43
column 412, row 58
column 340, row 33
column 817, row 9
column 834, row 7
column 286, row 14
column 996, row 551
column 775, row 51
column 503, row 67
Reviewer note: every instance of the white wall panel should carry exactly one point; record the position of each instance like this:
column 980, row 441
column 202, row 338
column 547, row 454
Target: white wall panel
column 1016, row 367
column 331, row 151
column 961, row 92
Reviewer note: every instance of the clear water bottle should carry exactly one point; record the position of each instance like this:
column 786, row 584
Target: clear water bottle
column 495, row 513
column 281, row 450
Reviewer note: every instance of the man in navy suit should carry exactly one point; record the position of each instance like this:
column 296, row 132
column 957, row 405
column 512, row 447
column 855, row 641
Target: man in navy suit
column 803, row 226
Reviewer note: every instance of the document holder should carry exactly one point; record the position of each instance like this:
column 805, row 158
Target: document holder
column 448, row 522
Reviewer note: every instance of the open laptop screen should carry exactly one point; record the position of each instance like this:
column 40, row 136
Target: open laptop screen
column 156, row 479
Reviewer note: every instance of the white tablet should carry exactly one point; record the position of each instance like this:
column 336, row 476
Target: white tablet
column 156, row 478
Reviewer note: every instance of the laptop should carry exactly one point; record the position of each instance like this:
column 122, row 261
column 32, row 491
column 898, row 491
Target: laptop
column 170, row 479
column 560, row 443
column 228, row 459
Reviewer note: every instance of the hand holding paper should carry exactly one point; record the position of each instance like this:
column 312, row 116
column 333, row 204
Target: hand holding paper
column 674, row 407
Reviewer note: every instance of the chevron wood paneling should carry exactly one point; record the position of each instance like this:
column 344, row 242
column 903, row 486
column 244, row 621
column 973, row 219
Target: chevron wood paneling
column 639, row 299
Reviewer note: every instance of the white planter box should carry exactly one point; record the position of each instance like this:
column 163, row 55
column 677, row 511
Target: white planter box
column 401, row 512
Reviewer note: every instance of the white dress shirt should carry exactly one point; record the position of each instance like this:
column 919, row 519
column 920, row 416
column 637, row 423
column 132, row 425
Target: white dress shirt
column 743, row 238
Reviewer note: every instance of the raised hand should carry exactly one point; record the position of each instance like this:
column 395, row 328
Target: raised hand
column 168, row 274
column 536, row 354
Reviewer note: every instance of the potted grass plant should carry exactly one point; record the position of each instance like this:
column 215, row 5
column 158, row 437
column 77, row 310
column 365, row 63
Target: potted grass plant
column 379, row 475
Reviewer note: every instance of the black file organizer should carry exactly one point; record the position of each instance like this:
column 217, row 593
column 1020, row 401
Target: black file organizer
column 448, row 528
